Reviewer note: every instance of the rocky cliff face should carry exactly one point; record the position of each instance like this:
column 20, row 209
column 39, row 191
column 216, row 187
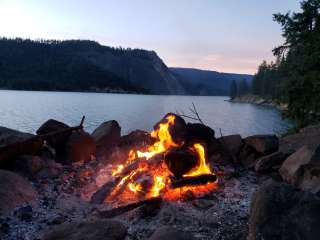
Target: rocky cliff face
column 139, row 68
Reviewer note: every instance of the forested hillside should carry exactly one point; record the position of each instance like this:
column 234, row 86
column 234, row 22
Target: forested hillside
column 79, row 65
column 205, row 82
column 294, row 77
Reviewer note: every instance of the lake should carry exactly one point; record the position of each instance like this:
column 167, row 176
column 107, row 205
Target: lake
column 27, row 110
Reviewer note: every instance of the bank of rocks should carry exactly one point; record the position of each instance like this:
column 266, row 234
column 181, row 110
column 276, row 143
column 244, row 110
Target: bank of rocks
column 254, row 99
column 55, row 181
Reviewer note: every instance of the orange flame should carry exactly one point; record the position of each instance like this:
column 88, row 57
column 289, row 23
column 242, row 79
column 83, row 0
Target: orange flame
column 161, row 173
column 165, row 140
column 203, row 167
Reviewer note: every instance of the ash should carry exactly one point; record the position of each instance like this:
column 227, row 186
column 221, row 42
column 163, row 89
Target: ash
column 220, row 214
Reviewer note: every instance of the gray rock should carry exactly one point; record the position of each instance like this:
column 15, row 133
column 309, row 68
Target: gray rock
column 166, row 233
column 302, row 169
column 90, row 230
column 58, row 141
column 263, row 144
column 29, row 165
column 8, row 137
column 232, row 142
column 200, row 132
column 14, row 191
column 309, row 136
column 268, row 162
column 278, row 211
column 107, row 134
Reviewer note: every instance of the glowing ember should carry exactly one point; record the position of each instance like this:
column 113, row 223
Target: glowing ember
column 157, row 177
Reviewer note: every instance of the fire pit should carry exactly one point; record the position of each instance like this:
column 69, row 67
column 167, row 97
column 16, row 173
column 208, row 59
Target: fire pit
column 173, row 164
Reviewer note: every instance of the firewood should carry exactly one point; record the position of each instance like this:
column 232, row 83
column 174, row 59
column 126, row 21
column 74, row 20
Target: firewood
column 126, row 208
column 103, row 192
column 193, row 181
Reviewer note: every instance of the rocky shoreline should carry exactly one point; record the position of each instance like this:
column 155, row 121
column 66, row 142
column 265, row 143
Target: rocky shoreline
column 268, row 187
column 254, row 99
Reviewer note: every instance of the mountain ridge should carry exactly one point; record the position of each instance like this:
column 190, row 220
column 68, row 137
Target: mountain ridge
column 84, row 65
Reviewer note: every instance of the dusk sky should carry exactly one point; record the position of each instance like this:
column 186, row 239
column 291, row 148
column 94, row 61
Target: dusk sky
column 221, row 35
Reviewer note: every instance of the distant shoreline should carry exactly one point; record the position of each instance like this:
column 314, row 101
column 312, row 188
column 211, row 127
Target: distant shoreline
column 111, row 92
column 257, row 100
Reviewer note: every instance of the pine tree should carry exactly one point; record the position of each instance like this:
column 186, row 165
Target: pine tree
column 233, row 89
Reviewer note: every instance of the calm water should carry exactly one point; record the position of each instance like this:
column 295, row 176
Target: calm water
column 26, row 111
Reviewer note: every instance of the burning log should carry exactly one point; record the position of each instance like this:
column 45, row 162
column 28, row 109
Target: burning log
column 177, row 130
column 193, row 181
column 126, row 208
column 181, row 161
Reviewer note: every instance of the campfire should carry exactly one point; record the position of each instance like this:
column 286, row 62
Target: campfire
column 173, row 164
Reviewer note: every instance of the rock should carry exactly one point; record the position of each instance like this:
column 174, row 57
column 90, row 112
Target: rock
column 14, row 191
column 203, row 204
column 248, row 157
column 302, row 169
column 87, row 230
column 200, row 133
column 80, row 147
column 24, row 213
column 268, row 162
column 309, row 136
column 178, row 130
column 278, row 211
column 29, row 165
column 51, row 169
column 263, row 144
column 107, row 134
column 180, row 161
column 166, row 233
column 232, row 143
column 14, row 143
column 58, row 141
column 9, row 136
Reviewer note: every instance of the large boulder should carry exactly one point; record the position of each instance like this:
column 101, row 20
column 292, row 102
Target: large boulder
column 14, row 191
column 248, row 156
column 166, row 233
column 199, row 132
column 269, row 162
column 302, row 169
column 57, row 141
column 107, row 135
column 232, row 143
column 14, row 143
column 278, row 211
column 88, row 230
column 263, row 144
column 80, row 147
column 309, row 136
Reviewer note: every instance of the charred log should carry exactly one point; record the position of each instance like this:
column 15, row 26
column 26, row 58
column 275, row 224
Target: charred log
column 180, row 161
column 99, row 196
column 126, row 208
column 193, row 181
